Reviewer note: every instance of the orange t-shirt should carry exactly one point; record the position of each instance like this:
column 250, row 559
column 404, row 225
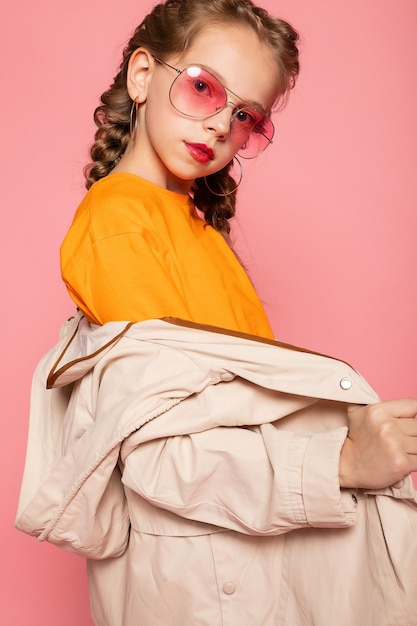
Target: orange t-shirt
column 136, row 251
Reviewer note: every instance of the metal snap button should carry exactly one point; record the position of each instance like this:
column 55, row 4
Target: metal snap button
column 346, row 384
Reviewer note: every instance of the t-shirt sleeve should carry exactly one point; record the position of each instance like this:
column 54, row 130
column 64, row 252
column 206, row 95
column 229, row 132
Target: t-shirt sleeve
column 119, row 269
column 123, row 278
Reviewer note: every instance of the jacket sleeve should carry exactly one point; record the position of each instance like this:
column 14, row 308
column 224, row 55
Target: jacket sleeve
column 257, row 480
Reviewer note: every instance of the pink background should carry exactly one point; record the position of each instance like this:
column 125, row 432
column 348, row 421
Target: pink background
column 327, row 224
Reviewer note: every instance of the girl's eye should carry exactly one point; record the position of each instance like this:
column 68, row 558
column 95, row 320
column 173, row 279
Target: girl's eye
column 201, row 86
column 247, row 118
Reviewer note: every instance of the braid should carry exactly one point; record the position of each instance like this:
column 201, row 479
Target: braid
column 217, row 210
column 112, row 118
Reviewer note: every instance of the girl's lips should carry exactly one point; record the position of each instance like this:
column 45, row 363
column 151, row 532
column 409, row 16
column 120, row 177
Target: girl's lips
column 200, row 152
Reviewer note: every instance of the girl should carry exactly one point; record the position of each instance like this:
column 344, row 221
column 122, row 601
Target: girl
column 184, row 103
column 191, row 446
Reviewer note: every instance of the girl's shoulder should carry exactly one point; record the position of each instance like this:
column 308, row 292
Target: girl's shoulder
column 120, row 186
column 126, row 189
column 124, row 202
column 128, row 185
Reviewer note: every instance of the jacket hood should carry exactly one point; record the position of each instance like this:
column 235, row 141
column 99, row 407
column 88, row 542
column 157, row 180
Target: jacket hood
column 82, row 346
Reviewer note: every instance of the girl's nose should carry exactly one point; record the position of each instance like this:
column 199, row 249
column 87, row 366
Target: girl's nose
column 221, row 122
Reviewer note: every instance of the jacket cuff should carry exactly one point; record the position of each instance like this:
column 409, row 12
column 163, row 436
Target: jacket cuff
column 325, row 504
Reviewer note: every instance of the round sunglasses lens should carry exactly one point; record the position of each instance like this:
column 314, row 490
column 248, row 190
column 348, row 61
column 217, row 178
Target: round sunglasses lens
column 197, row 93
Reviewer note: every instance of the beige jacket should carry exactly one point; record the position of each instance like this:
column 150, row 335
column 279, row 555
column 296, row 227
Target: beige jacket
column 177, row 459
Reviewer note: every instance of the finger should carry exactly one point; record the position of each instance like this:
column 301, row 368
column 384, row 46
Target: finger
column 401, row 407
column 408, row 426
column 410, row 445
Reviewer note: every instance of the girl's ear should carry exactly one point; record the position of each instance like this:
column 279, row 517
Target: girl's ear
column 139, row 73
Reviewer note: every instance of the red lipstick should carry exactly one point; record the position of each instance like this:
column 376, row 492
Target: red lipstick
column 200, row 152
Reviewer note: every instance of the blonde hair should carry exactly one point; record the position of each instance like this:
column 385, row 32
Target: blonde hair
column 171, row 28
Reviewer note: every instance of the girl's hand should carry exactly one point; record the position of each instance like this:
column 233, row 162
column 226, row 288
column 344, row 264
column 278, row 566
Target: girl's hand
column 381, row 447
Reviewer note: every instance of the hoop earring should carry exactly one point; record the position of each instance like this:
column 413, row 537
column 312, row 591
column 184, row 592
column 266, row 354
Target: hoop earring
column 229, row 193
column 133, row 119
